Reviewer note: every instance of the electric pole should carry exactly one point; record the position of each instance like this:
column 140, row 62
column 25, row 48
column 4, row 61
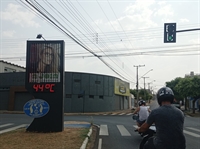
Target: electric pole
column 144, row 87
column 137, row 84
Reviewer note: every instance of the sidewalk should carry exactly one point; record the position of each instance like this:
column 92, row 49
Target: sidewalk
column 126, row 111
column 196, row 114
column 190, row 113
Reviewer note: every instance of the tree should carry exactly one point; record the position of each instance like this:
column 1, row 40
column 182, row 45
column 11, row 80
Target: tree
column 172, row 84
column 144, row 94
column 189, row 87
column 134, row 92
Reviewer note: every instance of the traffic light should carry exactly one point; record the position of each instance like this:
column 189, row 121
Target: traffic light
column 169, row 32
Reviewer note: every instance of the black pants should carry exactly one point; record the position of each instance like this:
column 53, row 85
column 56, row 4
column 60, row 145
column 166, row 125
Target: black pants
column 149, row 144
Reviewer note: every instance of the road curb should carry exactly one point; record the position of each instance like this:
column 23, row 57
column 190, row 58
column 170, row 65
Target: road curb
column 85, row 142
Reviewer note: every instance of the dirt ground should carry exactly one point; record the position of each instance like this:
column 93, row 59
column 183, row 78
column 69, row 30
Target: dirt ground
column 70, row 138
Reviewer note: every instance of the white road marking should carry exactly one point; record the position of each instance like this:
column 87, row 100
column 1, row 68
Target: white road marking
column 100, row 143
column 114, row 114
column 122, row 114
column 123, row 130
column 191, row 134
column 193, row 129
column 129, row 113
column 12, row 128
column 103, row 130
column 6, row 125
column 135, row 126
column 185, row 131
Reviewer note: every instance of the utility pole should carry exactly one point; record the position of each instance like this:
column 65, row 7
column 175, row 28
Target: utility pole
column 137, row 84
column 150, row 83
column 149, row 86
column 144, row 81
column 144, row 87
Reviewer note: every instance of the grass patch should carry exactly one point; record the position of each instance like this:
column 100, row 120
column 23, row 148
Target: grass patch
column 70, row 138
column 84, row 132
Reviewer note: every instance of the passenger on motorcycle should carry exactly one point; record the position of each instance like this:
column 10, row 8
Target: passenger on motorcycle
column 143, row 112
column 169, row 122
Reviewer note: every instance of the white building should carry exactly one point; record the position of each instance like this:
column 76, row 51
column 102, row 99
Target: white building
column 9, row 67
column 192, row 74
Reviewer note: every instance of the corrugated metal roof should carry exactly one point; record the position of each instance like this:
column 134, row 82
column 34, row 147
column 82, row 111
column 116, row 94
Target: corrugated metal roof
column 11, row 64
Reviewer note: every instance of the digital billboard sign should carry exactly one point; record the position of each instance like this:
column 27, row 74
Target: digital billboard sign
column 45, row 81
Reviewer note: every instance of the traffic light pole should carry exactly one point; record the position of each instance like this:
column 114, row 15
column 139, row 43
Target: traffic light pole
column 187, row 30
column 170, row 32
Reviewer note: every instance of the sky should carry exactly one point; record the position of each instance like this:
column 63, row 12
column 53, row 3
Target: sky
column 123, row 34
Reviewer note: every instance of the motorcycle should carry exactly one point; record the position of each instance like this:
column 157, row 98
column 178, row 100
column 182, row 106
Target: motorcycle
column 145, row 135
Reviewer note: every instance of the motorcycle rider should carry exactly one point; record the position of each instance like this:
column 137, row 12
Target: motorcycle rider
column 169, row 122
column 143, row 111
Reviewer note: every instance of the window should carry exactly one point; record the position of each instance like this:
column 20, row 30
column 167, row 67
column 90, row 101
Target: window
column 6, row 69
column 4, row 88
column 77, row 80
column 80, row 96
column 91, row 96
column 100, row 97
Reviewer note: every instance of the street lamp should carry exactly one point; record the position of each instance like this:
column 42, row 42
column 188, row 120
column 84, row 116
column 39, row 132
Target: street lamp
column 39, row 36
column 146, row 73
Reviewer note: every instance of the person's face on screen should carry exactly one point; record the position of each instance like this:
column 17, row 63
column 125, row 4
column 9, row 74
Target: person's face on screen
column 47, row 56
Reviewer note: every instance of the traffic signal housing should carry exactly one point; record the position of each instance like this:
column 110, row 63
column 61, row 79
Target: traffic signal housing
column 169, row 32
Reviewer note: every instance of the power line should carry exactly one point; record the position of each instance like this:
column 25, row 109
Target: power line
column 102, row 42
column 73, row 38
column 173, row 49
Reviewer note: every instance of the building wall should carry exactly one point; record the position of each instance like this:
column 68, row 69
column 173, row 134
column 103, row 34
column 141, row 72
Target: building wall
column 88, row 92
column 84, row 92
column 4, row 94
column 192, row 74
column 9, row 67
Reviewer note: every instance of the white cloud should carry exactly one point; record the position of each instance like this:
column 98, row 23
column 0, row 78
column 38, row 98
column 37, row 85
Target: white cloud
column 194, row 41
column 98, row 22
column 164, row 11
column 161, row 2
column 139, row 6
column 139, row 15
column 16, row 15
column 142, row 4
column 184, row 20
column 8, row 33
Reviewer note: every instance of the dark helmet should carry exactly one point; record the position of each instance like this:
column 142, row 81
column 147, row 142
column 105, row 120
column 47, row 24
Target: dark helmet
column 165, row 94
column 141, row 102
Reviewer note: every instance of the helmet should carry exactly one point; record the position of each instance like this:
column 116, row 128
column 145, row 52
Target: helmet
column 141, row 102
column 165, row 94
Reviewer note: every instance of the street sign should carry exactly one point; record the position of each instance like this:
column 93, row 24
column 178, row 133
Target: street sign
column 36, row 108
column 169, row 32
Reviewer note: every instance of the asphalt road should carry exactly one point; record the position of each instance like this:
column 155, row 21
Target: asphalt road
column 116, row 131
